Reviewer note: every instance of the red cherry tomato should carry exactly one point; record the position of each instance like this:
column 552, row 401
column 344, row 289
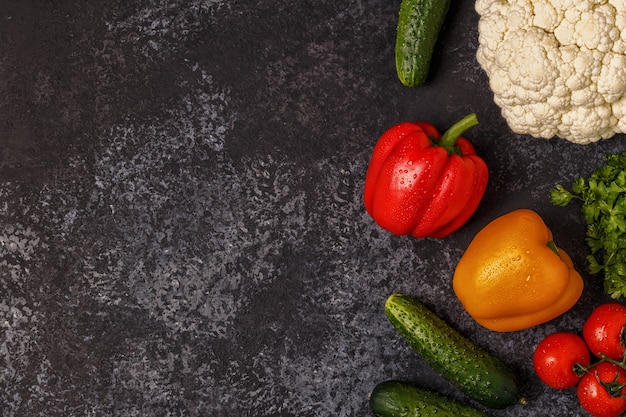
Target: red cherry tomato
column 555, row 358
column 604, row 330
column 595, row 398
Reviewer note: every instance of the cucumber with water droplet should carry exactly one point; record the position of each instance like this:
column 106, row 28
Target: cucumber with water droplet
column 480, row 375
column 403, row 399
column 419, row 24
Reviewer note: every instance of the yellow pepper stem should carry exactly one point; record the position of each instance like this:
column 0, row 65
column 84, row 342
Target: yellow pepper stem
column 552, row 246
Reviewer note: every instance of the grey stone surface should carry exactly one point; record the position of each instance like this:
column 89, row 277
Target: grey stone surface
column 181, row 224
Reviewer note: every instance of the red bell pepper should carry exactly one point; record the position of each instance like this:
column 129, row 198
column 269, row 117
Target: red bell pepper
column 422, row 183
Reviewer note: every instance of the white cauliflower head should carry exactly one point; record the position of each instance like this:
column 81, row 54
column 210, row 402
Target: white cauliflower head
column 556, row 67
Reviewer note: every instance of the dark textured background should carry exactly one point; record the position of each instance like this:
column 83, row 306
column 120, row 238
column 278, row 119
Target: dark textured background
column 181, row 224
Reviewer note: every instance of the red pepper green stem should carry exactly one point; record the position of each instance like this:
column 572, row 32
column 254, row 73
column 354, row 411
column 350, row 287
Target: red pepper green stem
column 448, row 140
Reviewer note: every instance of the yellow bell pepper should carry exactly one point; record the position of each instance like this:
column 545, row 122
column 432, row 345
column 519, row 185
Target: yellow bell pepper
column 512, row 276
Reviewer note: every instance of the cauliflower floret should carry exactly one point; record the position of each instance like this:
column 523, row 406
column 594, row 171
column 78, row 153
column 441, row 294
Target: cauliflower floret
column 545, row 16
column 519, row 14
column 612, row 79
column 537, row 116
column 596, row 29
column 532, row 66
column 588, row 121
column 556, row 67
column 619, row 111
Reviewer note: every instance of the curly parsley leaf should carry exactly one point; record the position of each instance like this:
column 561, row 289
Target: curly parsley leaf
column 560, row 196
column 603, row 205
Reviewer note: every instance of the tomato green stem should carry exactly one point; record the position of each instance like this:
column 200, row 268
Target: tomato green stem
column 449, row 138
column 614, row 388
column 579, row 369
column 621, row 364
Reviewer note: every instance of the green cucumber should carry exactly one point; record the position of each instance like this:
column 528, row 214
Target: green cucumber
column 419, row 24
column 481, row 376
column 402, row 399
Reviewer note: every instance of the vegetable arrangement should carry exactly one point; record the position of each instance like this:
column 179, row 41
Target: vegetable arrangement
column 562, row 360
column 422, row 183
column 556, row 68
column 512, row 276
column 603, row 198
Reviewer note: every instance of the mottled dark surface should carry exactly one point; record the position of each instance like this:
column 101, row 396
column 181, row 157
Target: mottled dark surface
column 181, row 225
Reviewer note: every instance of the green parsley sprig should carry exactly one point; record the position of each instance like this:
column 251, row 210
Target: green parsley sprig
column 603, row 197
